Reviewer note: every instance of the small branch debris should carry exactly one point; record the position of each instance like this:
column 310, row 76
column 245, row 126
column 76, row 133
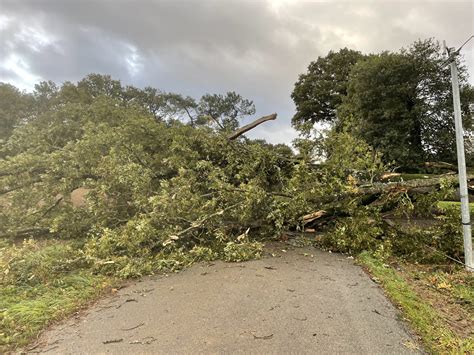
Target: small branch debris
column 44, row 343
column 270, row 267
column 112, row 341
column 126, row 301
column 144, row 341
column 135, row 327
column 263, row 337
column 35, row 346
column 49, row 349
column 313, row 216
column 144, row 291
column 104, row 307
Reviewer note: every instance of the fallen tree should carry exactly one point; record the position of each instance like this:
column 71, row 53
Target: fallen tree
column 160, row 194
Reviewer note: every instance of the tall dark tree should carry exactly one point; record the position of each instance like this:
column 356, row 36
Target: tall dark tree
column 401, row 103
column 381, row 107
column 320, row 90
column 434, row 99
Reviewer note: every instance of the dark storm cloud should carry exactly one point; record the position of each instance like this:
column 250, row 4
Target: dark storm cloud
column 256, row 48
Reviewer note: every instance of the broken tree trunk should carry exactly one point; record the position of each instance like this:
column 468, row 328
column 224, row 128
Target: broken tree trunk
column 419, row 186
column 441, row 165
column 313, row 216
column 251, row 125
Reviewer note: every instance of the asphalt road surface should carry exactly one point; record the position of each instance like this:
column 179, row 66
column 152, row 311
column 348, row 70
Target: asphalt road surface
column 299, row 301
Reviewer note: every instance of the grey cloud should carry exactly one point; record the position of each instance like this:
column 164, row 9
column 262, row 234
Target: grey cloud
column 194, row 47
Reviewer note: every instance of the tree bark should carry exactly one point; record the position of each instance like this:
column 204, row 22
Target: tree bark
column 251, row 125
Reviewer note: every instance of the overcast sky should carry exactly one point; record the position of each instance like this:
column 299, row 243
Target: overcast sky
column 256, row 48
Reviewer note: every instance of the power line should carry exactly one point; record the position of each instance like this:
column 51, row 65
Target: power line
column 467, row 40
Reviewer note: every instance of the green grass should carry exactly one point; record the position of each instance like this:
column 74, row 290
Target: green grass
column 423, row 317
column 447, row 204
column 38, row 288
column 443, row 205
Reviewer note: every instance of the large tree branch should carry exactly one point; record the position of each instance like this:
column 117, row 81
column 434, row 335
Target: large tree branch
column 420, row 186
column 251, row 125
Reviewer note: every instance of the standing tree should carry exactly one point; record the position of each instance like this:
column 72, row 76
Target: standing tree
column 434, row 99
column 401, row 104
column 319, row 92
column 224, row 110
column 380, row 107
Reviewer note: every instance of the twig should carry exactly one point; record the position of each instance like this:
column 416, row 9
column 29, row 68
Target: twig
column 126, row 301
column 264, row 337
column 143, row 341
column 135, row 327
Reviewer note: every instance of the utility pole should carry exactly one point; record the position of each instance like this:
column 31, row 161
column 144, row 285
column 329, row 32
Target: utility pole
column 465, row 215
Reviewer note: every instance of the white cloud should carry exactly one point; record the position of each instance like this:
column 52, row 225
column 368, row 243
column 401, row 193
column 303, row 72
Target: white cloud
column 19, row 71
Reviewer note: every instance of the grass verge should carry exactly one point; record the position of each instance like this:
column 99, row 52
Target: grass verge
column 429, row 311
column 447, row 204
column 37, row 288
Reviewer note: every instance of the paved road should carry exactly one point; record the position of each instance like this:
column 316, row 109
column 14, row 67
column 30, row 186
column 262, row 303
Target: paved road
column 288, row 303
